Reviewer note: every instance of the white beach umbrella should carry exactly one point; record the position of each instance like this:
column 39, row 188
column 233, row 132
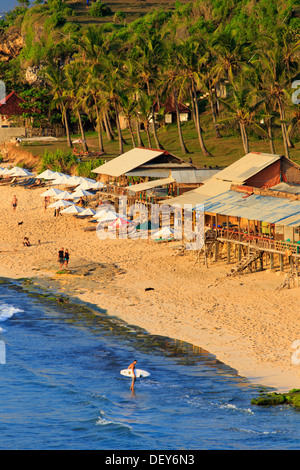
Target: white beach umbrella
column 72, row 210
column 87, row 211
column 98, row 185
column 51, row 192
column 165, row 232
column 74, row 180
column 61, row 180
column 85, row 185
column 47, row 175
column 5, row 171
column 64, row 195
column 61, row 203
column 109, row 216
column 82, row 193
column 17, row 171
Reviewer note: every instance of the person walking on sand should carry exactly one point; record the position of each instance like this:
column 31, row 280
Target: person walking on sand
column 61, row 258
column 67, row 256
column 14, row 203
column 132, row 367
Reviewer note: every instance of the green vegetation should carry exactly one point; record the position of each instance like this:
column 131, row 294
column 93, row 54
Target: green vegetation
column 272, row 399
column 233, row 62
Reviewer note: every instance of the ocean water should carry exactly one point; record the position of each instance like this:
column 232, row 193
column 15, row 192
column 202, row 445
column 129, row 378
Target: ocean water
column 61, row 388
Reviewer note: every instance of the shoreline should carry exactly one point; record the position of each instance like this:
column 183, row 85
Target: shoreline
column 240, row 320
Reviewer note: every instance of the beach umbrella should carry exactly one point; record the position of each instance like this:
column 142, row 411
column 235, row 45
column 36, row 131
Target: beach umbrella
column 47, row 175
column 17, row 171
column 166, row 232
column 61, row 203
column 86, row 185
column 72, row 210
column 51, row 192
column 22, row 172
column 5, row 171
column 119, row 222
column 87, row 211
column 74, row 180
column 64, row 195
column 98, row 185
column 109, row 216
column 61, row 180
column 82, row 193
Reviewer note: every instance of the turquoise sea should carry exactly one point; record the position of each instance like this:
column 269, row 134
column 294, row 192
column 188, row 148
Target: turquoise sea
column 61, row 388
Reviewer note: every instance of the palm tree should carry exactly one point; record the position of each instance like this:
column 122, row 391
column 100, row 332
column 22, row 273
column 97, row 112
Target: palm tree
column 191, row 53
column 55, row 77
column 242, row 107
column 76, row 90
column 147, row 65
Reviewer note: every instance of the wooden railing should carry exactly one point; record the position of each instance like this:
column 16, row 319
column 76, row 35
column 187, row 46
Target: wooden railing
column 260, row 242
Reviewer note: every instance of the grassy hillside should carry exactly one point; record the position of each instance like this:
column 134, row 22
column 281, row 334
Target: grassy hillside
column 224, row 151
column 134, row 9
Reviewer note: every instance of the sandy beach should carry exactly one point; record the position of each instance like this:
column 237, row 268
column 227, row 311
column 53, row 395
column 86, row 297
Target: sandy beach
column 241, row 320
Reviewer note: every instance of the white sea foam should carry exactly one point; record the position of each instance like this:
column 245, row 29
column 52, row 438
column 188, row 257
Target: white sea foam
column 7, row 311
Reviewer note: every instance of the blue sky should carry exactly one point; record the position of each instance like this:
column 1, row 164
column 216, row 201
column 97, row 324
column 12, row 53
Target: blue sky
column 6, row 5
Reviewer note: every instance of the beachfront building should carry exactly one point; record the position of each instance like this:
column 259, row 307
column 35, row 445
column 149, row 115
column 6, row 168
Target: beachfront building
column 253, row 208
column 142, row 169
column 10, row 108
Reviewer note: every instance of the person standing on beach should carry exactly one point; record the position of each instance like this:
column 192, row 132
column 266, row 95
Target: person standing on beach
column 132, row 367
column 14, row 203
column 67, row 256
column 61, row 258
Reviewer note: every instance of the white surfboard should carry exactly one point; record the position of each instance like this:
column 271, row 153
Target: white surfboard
column 138, row 373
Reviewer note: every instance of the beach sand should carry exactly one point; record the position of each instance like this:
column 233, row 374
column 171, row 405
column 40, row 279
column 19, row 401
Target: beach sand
column 242, row 320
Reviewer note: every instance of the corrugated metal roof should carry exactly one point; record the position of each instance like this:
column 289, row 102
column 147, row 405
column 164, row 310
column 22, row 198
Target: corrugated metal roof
column 287, row 188
column 247, row 166
column 255, row 207
column 199, row 195
column 151, row 173
column 149, row 184
column 127, row 161
column 193, row 176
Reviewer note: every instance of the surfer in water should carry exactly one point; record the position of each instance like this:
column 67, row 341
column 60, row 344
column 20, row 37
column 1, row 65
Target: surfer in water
column 132, row 367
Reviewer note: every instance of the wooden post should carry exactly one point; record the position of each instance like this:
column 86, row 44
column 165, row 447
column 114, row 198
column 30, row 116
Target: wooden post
column 271, row 261
column 240, row 246
column 228, row 252
column 281, row 262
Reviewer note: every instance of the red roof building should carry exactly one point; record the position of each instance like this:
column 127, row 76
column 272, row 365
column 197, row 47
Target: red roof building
column 11, row 106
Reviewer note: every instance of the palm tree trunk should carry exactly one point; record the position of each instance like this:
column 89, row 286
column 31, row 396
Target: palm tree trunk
column 100, row 140
column 181, row 141
column 270, row 135
column 85, row 147
column 148, row 135
column 108, row 126
column 131, row 132
column 283, row 129
column 138, row 133
column 157, row 143
column 244, row 137
column 65, row 121
column 213, row 111
column 121, row 146
column 205, row 152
